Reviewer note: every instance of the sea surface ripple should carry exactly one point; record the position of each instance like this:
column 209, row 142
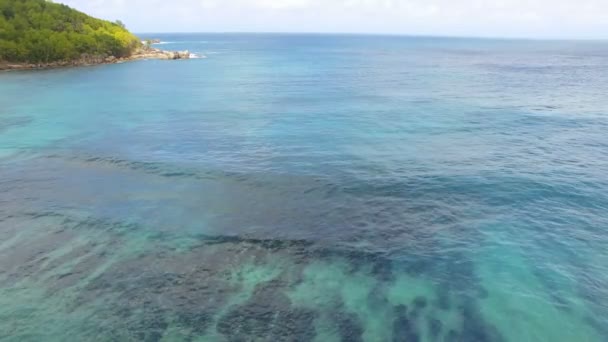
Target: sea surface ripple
column 309, row 187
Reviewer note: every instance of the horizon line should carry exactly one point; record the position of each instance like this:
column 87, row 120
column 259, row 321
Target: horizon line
column 382, row 34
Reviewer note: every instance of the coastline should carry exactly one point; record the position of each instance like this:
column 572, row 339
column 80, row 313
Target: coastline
column 140, row 54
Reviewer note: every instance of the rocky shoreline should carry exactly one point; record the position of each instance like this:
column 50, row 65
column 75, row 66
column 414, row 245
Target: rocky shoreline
column 85, row 60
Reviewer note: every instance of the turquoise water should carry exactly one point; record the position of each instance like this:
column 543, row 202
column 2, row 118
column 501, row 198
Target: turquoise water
column 309, row 188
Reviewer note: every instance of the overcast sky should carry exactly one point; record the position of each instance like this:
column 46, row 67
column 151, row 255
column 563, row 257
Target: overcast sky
column 482, row 18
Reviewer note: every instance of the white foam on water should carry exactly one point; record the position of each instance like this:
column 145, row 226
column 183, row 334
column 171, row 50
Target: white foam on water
column 182, row 42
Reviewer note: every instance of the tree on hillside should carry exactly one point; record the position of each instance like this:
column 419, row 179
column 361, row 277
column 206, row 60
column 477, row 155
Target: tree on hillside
column 39, row 31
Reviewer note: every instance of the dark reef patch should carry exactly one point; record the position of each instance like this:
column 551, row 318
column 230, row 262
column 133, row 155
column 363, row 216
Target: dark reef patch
column 482, row 292
column 197, row 322
column 144, row 293
column 377, row 298
column 475, row 329
column 435, row 328
column 382, row 269
column 404, row 329
column 268, row 315
column 443, row 297
column 349, row 326
column 420, row 302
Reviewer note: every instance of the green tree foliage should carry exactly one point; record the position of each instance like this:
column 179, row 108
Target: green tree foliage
column 39, row 31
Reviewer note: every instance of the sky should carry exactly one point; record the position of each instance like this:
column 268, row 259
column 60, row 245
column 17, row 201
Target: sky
column 569, row 19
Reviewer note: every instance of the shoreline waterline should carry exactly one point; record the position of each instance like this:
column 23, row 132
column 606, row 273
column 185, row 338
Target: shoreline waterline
column 141, row 55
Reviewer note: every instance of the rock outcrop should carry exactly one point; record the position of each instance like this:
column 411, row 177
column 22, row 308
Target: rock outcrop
column 86, row 60
column 151, row 53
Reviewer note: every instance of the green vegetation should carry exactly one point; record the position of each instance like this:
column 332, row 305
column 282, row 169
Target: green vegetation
column 39, row 31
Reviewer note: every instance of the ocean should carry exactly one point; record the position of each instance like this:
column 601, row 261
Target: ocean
column 309, row 188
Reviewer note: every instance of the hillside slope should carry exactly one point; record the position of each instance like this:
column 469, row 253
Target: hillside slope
column 39, row 31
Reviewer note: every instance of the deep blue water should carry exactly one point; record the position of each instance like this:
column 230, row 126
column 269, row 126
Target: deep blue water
column 309, row 187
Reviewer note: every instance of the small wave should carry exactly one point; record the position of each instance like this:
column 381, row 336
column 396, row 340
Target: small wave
column 196, row 56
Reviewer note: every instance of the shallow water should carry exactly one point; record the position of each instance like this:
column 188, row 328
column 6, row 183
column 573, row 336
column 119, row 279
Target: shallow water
column 309, row 188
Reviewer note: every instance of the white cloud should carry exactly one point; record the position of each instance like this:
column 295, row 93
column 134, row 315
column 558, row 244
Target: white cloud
column 281, row 4
column 528, row 18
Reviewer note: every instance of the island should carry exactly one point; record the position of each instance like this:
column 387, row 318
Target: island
column 36, row 34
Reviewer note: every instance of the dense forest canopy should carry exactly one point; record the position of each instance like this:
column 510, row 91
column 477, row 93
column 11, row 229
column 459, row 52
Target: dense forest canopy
column 39, row 31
